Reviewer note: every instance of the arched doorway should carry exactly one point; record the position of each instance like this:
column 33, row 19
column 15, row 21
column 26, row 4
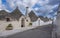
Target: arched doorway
column 22, row 22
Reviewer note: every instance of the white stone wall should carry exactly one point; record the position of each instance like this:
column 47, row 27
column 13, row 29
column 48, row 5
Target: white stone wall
column 39, row 22
column 15, row 24
column 26, row 22
column 4, row 24
column 57, row 23
column 20, row 20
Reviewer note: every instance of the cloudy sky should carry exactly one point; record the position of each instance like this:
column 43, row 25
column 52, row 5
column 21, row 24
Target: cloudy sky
column 46, row 8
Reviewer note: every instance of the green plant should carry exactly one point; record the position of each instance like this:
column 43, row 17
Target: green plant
column 9, row 27
column 30, row 23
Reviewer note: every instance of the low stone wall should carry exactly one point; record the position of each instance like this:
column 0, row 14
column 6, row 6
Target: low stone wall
column 4, row 24
column 17, row 24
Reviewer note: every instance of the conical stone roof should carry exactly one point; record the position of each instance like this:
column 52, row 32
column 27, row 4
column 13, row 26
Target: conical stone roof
column 45, row 19
column 16, row 13
column 3, row 12
column 33, row 16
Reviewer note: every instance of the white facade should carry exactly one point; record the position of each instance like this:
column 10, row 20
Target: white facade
column 16, row 24
column 57, row 22
column 26, row 23
column 23, row 21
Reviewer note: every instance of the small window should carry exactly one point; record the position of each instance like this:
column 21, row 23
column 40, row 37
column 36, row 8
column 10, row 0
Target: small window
column 22, row 25
column 7, row 19
column 27, row 20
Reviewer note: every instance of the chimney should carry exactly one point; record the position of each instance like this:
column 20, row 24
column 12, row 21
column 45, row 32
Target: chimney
column 26, row 11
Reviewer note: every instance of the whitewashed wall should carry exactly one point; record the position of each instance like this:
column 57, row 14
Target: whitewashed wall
column 26, row 23
column 15, row 24
column 4, row 24
column 36, row 23
column 57, row 23
column 42, row 23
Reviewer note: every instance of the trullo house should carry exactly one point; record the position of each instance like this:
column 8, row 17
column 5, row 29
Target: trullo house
column 16, row 19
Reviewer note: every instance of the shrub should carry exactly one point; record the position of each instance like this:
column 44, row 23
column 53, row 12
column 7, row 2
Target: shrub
column 30, row 23
column 9, row 27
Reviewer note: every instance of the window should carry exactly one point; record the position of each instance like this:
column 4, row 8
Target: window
column 27, row 20
column 7, row 19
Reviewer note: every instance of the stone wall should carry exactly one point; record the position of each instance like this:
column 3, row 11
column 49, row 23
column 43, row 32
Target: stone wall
column 15, row 24
column 4, row 24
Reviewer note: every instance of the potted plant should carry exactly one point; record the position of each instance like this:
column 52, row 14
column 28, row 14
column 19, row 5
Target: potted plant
column 30, row 24
column 9, row 27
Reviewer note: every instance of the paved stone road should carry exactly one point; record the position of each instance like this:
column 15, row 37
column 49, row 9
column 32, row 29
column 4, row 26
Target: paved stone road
column 39, row 32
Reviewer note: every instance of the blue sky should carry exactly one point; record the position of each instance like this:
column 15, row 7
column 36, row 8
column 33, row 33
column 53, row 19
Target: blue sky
column 46, row 8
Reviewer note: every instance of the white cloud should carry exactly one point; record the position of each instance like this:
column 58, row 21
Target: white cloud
column 0, row 5
column 29, row 3
column 3, row 7
column 49, row 8
column 49, row 16
column 51, row 11
column 11, row 3
column 43, row 2
column 0, row 2
column 33, row 2
column 36, row 9
column 45, row 7
column 23, row 3
column 55, row 6
column 55, row 14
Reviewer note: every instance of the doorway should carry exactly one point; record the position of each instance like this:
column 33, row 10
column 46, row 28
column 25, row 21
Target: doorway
column 7, row 19
column 22, row 22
